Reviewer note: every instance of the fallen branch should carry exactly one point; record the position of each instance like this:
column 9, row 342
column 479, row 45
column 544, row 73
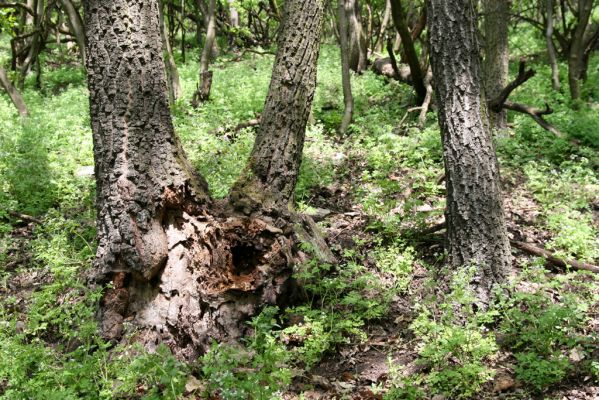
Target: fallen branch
column 262, row 53
column 24, row 217
column 231, row 132
column 536, row 114
column 552, row 258
column 530, row 249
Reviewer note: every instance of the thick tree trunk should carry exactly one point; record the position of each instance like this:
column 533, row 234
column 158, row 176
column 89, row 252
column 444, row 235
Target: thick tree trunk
column 13, row 93
column 399, row 19
column 183, row 270
column 75, row 25
column 576, row 56
column 496, row 61
column 348, row 99
column 271, row 175
column 205, row 80
column 555, row 83
column 476, row 229
column 358, row 44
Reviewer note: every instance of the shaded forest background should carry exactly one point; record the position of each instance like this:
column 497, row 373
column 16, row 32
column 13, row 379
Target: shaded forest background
column 374, row 325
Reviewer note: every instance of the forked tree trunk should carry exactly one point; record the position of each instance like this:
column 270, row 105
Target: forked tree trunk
column 184, row 271
column 358, row 44
column 270, row 177
column 476, row 229
column 496, row 61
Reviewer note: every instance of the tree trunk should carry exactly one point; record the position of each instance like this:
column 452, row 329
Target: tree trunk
column 379, row 43
column 399, row 19
column 358, row 44
column 551, row 48
column 205, row 81
column 172, row 73
column 271, row 174
column 75, row 25
column 496, row 62
column 476, row 229
column 576, row 56
column 13, row 93
column 183, row 270
column 348, row 99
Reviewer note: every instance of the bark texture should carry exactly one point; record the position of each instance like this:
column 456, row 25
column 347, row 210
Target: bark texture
column 271, row 175
column 183, row 270
column 576, row 65
column 358, row 44
column 476, row 230
column 496, row 61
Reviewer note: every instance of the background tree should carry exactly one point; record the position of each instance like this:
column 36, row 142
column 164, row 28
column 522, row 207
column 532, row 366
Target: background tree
column 348, row 99
column 476, row 229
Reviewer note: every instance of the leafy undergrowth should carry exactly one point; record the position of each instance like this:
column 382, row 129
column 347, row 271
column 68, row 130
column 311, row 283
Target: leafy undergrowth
column 376, row 325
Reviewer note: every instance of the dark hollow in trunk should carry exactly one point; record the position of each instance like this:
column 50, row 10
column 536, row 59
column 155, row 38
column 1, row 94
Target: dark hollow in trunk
column 476, row 230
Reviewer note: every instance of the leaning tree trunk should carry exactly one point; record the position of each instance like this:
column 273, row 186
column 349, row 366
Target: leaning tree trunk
column 13, row 93
column 476, row 229
column 183, row 270
column 496, row 61
column 270, row 177
column 75, row 25
column 399, row 19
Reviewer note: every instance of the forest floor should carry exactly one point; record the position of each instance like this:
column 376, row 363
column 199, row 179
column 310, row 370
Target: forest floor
column 375, row 326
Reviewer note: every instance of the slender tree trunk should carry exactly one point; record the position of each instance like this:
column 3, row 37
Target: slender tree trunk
column 379, row 43
column 172, row 73
column 13, row 93
column 271, row 175
column 551, row 48
column 75, row 25
column 476, row 229
column 399, row 19
column 358, row 44
column 348, row 98
column 496, row 62
column 205, row 81
column 576, row 56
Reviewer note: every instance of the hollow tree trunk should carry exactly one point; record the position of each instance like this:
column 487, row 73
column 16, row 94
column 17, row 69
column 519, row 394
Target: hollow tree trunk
column 348, row 99
column 75, row 25
column 270, row 177
column 184, row 271
column 496, row 61
column 399, row 19
column 358, row 44
column 576, row 56
column 205, row 80
column 476, row 229
column 13, row 93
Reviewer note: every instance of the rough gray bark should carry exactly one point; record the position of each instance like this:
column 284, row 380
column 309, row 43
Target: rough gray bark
column 270, row 177
column 75, row 25
column 399, row 19
column 577, row 47
column 13, row 93
column 476, row 229
column 555, row 83
column 348, row 99
column 496, row 62
column 205, row 80
column 183, row 270
column 358, row 44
